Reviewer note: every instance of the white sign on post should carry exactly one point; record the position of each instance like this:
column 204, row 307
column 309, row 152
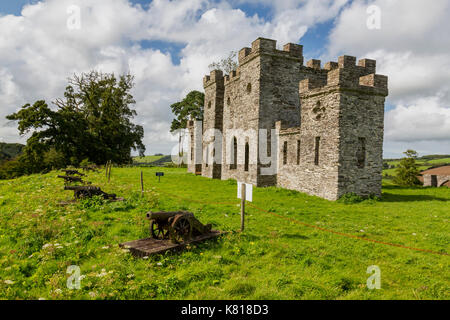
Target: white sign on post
column 248, row 191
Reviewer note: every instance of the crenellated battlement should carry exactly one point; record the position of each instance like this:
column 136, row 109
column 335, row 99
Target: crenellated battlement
column 346, row 74
column 328, row 120
column 269, row 46
column 232, row 76
column 215, row 76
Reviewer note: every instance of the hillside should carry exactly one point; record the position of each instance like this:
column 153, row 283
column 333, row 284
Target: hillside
column 295, row 246
column 10, row 150
column 157, row 161
column 423, row 163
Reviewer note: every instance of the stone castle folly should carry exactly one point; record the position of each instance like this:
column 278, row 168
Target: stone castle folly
column 276, row 122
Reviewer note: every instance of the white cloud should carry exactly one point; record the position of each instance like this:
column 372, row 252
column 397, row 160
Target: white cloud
column 413, row 49
column 38, row 52
column 423, row 121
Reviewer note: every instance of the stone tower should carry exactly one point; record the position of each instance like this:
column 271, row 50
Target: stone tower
column 321, row 128
column 213, row 124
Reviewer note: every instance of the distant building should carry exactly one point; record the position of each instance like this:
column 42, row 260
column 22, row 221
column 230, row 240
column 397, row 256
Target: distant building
column 437, row 177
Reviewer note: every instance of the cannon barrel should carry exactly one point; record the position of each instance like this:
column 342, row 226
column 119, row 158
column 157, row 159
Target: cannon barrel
column 79, row 188
column 165, row 215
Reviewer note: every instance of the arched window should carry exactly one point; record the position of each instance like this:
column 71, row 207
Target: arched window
column 209, row 105
column 249, row 88
column 247, row 156
column 285, row 149
column 233, row 165
column 228, row 101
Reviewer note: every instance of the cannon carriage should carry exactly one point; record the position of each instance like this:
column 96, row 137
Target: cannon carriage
column 178, row 226
column 81, row 192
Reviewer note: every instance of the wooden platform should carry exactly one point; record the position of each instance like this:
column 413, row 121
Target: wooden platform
column 146, row 247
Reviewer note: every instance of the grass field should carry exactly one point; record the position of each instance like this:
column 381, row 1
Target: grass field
column 275, row 258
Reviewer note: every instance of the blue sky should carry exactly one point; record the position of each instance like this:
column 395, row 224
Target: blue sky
column 168, row 45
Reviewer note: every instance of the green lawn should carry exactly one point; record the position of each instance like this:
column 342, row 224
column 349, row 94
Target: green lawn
column 275, row 258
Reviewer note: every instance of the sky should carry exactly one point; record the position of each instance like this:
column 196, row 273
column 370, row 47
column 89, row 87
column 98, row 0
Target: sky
column 168, row 45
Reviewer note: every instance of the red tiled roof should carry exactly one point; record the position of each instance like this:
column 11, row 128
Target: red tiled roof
column 439, row 171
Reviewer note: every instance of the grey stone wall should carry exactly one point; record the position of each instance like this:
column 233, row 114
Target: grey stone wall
column 329, row 121
column 213, row 121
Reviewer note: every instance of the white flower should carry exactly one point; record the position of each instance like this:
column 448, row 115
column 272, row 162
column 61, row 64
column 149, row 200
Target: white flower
column 130, row 276
column 361, row 230
column 58, row 291
column 145, row 258
column 159, row 264
column 92, row 294
column 82, row 277
column 105, row 247
column 45, row 246
column 9, row 282
column 414, row 234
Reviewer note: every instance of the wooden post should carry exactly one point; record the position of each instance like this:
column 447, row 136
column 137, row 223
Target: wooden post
column 242, row 206
column 106, row 169
column 109, row 172
column 142, row 182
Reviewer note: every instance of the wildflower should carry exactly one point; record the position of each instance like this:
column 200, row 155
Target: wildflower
column 105, row 247
column 9, row 282
column 45, row 246
column 159, row 264
column 130, row 276
column 145, row 258
column 414, row 234
column 361, row 230
column 58, row 291
column 92, row 294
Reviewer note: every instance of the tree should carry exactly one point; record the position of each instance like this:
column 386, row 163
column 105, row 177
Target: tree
column 93, row 121
column 190, row 108
column 407, row 170
column 227, row 65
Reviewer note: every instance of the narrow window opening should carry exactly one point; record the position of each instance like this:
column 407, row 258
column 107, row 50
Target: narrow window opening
column 233, row 165
column 298, row 152
column 361, row 153
column 317, row 149
column 247, row 156
column 285, row 147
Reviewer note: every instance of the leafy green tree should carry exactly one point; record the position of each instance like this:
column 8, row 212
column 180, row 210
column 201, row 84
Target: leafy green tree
column 407, row 170
column 191, row 107
column 93, row 121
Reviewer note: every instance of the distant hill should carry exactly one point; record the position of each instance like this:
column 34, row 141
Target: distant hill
column 156, row 160
column 9, row 151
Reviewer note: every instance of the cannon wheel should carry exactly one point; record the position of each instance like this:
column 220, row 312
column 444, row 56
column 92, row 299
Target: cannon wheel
column 181, row 229
column 157, row 231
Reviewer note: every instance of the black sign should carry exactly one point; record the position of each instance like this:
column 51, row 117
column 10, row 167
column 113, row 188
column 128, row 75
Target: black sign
column 160, row 174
